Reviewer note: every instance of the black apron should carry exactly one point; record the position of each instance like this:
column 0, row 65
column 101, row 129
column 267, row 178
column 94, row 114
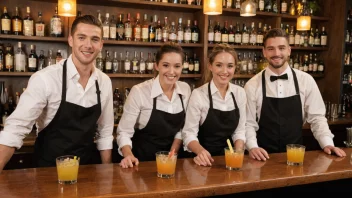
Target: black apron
column 158, row 134
column 280, row 120
column 217, row 127
column 71, row 132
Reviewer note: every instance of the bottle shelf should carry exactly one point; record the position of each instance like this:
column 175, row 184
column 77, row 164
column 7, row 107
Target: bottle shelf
column 251, row 47
column 248, row 76
column 110, row 75
column 314, row 18
column 33, row 38
column 151, row 44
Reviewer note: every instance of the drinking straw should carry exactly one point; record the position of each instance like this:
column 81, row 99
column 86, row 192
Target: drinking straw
column 229, row 144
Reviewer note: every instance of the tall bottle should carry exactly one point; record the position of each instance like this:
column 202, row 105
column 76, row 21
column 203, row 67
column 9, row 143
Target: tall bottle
column 142, row 64
column 56, row 25
column 324, row 37
column 245, row 35
column 9, row 62
column 210, row 32
column 185, row 64
column 28, row 24
column 41, row 60
column 106, row 27
column 196, row 64
column 51, row 60
column 217, row 33
column 137, row 29
column 99, row 62
column 127, row 65
column 151, row 28
column 135, row 64
column 283, row 7
column 40, row 26
column 165, row 31
column 187, row 36
column 150, row 64
column 115, row 64
column 20, row 59
column 158, row 32
column 112, row 28
column 5, row 22
column 32, row 60
column 225, row 33
column 260, row 35
column 17, row 23
column 145, row 29
column 108, row 63
column 120, row 28
column 172, row 33
column 195, row 32
column 180, row 31
column 128, row 28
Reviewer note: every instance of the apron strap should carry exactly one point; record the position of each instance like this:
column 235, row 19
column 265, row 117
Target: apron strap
column 210, row 97
column 234, row 100
column 63, row 95
column 98, row 90
column 296, row 81
column 263, row 85
column 183, row 107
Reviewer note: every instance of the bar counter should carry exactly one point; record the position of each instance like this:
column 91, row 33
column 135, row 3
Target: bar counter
column 191, row 180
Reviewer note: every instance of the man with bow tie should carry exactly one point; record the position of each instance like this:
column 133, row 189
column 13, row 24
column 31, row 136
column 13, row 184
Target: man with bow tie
column 279, row 100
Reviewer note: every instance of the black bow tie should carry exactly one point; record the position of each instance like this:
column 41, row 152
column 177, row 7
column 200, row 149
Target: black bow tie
column 283, row 77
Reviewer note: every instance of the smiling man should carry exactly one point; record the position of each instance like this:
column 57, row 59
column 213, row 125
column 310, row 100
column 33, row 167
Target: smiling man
column 280, row 100
column 70, row 103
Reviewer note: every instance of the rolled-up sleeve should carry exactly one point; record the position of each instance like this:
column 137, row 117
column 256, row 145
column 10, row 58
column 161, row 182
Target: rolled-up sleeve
column 240, row 132
column 251, row 112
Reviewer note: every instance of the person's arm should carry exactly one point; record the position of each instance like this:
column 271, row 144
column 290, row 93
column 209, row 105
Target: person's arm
column 125, row 129
column 6, row 154
column 176, row 145
column 105, row 123
column 20, row 123
column 314, row 109
column 239, row 135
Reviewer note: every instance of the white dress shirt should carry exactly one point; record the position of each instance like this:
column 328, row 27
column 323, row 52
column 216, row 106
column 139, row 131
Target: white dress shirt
column 139, row 105
column 313, row 107
column 199, row 105
column 41, row 100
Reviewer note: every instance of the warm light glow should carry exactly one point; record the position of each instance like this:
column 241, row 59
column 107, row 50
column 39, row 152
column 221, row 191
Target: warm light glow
column 212, row 7
column 67, row 8
column 303, row 23
column 248, row 8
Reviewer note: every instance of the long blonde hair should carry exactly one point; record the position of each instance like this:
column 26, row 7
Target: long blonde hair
column 217, row 50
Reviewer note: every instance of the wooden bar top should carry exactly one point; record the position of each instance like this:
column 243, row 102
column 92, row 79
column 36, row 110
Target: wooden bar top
column 191, row 180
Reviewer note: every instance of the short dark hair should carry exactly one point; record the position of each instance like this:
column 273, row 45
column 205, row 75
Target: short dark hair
column 169, row 48
column 86, row 19
column 275, row 32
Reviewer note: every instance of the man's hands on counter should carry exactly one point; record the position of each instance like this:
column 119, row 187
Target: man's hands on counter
column 331, row 149
column 258, row 154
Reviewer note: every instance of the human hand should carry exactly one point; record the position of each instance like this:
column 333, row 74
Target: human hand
column 203, row 158
column 128, row 161
column 331, row 149
column 258, row 154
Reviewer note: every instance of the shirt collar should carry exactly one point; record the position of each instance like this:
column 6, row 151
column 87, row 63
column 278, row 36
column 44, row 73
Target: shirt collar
column 269, row 73
column 157, row 90
column 214, row 89
column 72, row 70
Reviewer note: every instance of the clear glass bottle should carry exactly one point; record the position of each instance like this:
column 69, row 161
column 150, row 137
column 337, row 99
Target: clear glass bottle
column 99, row 62
column 165, row 31
column 51, row 60
column 9, row 62
column 112, row 28
column 135, row 63
column 40, row 26
column 145, row 29
column 150, row 64
column 20, row 59
column 106, row 27
column 56, row 25
column 210, row 32
column 180, row 31
column 108, row 62
column 128, row 28
column 187, row 36
column 127, row 64
column 172, row 33
column 41, row 60
column 142, row 63
column 115, row 64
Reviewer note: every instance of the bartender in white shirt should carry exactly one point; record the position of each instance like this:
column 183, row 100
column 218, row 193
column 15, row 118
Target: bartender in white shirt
column 154, row 111
column 279, row 100
column 70, row 102
column 217, row 110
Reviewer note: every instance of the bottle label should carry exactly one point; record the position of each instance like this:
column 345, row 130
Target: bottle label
column 296, row 65
column 284, row 7
column 253, row 39
column 217, row 37
column 128, row 32
column 113, row 32
column 180, row 36
column 291, row 40
column 301, row 68
column 191, row 67
column 39, row 29
column 172, row 36
column 185, row 65
column 158, row 35
column 225, row 38
column 196, row 67
column 108, row 65
column 195, row 36
column 245, row 38
column 305, row 68
column 315, row 67
column 6, row 24
column 260, row 38
column 16, row 25
column 9, row 61
column 250, row 66
column 151, row 35
column 56, row 26
column 145, row 32
column 261, row 5
column 135, row 65
column 297, row 39
column 165, row 36
column 32, row 62
column 120, row 31
column 142, row 66
column 324, row 40
column 28, row 27
column 150, row 66
column 137, row 33
column 106, row 31
column 317, row 41
column 20, row 62
column 238, row 38
column 321, row 68
column 187, row 36
column 311, row 40
column 310, row 67
column 231, row 38
column 210, row 36
column 127, row 66
column 115, row 67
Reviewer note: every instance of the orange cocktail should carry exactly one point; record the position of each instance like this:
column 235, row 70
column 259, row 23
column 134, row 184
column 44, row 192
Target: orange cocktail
column 165, row 164
column 67, row 169
column 295, row 154
column 234, row 160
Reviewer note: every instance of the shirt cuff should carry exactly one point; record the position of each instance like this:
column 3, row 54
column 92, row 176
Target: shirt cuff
column 123, row 142
column 105, row 143
column 178, row 136
column 325, row 141
column 10, row 139
column 251, row 144
column 187, row 141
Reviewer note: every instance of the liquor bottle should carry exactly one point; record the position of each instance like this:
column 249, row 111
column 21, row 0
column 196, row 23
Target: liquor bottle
column 268, row 6
column 231, row 35
column 108, row 63
column 297, row 39
column 292, row 8
column 5, row 22
column 40, row 26
column 137, row 29
column 32, row 60
column 249, row 64
column 121, row 64
column 321, row 67
column 261, row 5
column 310, row 63
column 112, row 28
column 224, row 34
column 56, row 25
column 172, row 33
column 324, row 37
column 291, row 37
column 317, row 38
column 195, row 32
column 305, row 63
column 99, row 16
column 283, row 7
column 145, row 29
column 238, row 35
column 120, row 28
column 99, row 62
column 255, row 63
column 128, row 28
column 51, row 60
column 190, row 66
column 185, row 64
column 296, row 62
column 150, row 64
column 28, row 24
column 20, row 59
column 116, row 99
column 311, row 38
column 141, row 64
column 196, row 64
column 165, row 31
column 187, row 37
column 315, row 64
column 2, row 58
column 41, row 60
column 210, row 32
column 238, row 4
column 217, row 33
column 245, row 35
column 151, row 28
column 58, row 56
column 135, row 64
column 106, row 27
column 17, row 23
column 127, row 65
column 158, row 32
column 253, row 35
column 180, row 31
column 9, row 59
column 115, row 64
